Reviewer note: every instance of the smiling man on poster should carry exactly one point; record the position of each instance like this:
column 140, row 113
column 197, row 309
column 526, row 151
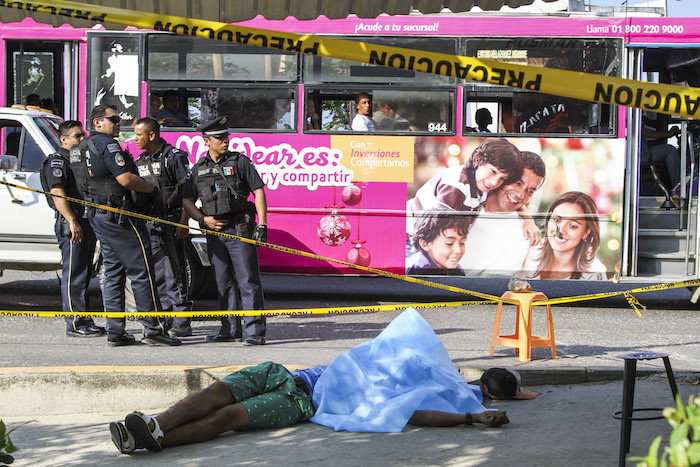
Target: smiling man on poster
column 496, row 244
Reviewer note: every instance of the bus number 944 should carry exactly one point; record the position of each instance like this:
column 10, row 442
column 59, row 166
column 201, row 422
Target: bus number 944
column 437, row 126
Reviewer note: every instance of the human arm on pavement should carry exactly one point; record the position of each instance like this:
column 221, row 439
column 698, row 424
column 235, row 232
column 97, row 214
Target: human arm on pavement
column 490, row 418
column 63, row 206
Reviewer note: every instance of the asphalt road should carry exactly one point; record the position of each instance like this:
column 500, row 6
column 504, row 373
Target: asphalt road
column 592, row 334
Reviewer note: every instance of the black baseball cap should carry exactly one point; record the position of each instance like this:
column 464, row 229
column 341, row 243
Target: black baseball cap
column 504, row 384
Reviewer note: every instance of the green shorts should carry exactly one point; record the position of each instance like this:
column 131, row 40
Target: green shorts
column 270, row 395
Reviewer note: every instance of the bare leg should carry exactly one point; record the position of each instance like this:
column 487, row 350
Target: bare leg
column 196, row 406
column 230, row 417
column 489, row 418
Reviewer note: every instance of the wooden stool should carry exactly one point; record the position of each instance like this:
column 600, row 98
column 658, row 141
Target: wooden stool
column 523, row 340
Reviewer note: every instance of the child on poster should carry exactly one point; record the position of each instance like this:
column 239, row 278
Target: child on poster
column 439, row 241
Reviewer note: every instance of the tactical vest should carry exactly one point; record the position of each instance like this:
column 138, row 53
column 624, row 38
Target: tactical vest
column 156, row 174
column 87, row 185
column 221, row 189
column 71, row 190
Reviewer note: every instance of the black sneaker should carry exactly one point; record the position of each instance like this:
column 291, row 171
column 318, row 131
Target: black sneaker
column 124, row 339
column 220, row 338
column 254, row 340
column 83, row 332
column 160, row 339
column 180, row 331
column 97, row 328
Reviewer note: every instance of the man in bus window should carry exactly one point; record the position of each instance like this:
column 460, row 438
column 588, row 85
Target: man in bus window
column 363, row 120
column 171, row 110
column 483, row 120
column 385, row 117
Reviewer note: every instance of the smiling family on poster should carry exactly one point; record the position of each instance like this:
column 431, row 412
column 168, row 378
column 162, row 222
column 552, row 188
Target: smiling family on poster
column 473, row 220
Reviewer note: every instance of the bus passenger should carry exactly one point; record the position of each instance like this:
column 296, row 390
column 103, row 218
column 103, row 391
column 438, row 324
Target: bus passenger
column 661, row 151
column 313, row 121
column 33, row 99
column 283, row 115
column 363, row 120
column 385, row 117
column 171, row 110
column 483, row 120
column 571, row 243
column 153, row 109
column 439, row 241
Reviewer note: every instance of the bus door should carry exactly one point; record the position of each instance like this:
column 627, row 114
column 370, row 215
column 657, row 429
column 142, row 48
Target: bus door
column 48, row 69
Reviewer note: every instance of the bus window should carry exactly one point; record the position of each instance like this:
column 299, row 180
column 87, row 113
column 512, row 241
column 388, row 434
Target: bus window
column 535, row 113
column 115, row 64
column 391, row 111
column 251, row 108
column 172, row 57
column 330, row 70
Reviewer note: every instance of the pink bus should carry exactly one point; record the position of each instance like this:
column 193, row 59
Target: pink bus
column 430, row 174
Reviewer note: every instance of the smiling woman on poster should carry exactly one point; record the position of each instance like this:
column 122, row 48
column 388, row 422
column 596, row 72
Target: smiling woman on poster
column 572, row 239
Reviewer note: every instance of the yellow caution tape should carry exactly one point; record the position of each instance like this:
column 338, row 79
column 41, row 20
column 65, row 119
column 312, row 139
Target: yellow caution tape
column 268, row 245
column 650, row 288
column 218, row 314
column 633, row 302
column 662, row 98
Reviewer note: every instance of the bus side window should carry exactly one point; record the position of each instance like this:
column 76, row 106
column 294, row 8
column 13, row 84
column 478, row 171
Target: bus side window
column 391, row 111
column 251, row 108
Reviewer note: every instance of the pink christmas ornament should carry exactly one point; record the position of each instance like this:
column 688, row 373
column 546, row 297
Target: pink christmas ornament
column 351, row 195
column 358, row 255
column 333, row 229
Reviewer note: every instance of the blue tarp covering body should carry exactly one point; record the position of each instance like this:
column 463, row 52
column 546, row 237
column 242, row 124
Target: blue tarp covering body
column 376, row 386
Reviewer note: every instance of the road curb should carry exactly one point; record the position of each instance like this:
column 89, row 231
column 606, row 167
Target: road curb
column 31, row 391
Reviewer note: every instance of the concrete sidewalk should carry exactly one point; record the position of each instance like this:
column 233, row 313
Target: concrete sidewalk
column 565, row 425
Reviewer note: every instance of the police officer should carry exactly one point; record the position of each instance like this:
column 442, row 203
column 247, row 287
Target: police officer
column 108, row 176
column 168, row 169
column 75, row 236
column 222, row 180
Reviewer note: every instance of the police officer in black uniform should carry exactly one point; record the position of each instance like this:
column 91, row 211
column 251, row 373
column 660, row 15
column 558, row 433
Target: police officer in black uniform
column 168, row 169
column 108, row 176
column 222, row 180
column 75, row 236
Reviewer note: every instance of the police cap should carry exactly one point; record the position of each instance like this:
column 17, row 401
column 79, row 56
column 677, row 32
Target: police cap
column 217, row 127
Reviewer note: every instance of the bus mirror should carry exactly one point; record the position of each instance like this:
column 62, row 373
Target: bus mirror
column 8, row 163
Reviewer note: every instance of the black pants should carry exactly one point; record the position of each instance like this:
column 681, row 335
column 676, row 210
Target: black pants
column 126, row 251
column 238, row 283
column 75, row 277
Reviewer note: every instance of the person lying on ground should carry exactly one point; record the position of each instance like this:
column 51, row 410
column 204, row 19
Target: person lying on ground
column 415, row 383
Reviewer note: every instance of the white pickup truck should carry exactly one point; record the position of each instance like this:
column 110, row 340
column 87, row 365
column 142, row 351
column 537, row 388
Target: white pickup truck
column 27, row 240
